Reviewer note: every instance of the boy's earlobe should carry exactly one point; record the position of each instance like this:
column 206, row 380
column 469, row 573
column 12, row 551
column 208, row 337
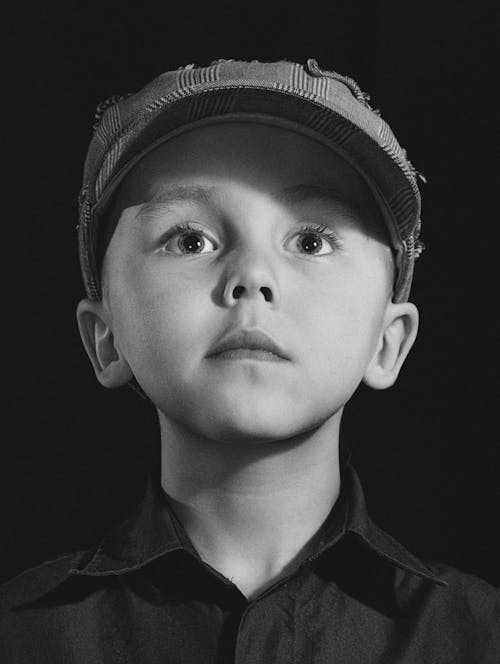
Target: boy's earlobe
column 396, row 340
column 110, row 367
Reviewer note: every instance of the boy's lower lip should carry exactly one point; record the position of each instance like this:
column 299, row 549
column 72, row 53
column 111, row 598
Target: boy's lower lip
column 248, row 354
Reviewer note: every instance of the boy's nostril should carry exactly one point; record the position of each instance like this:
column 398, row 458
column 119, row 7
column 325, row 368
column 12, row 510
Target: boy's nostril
column 237, row 292
column 267, row 293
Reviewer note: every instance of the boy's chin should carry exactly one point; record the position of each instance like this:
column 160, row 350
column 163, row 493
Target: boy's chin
column 258, row 433
column 252, row 417
column 250, row 428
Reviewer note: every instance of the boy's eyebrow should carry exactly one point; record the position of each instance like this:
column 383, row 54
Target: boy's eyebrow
column 302, row 193
column 175, row 193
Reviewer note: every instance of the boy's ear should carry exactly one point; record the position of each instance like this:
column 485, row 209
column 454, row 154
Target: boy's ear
column 110, row 366
column 396, row 339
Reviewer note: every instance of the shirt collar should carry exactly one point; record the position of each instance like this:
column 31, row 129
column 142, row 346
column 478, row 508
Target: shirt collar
column 381, row 543
column 153, row 531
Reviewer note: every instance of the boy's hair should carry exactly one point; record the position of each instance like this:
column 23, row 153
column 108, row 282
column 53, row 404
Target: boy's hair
column 322, row 104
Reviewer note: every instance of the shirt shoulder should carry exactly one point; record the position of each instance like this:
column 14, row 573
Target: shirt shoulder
column 468, row 609
column 463, row 593
column 453, row 594
column 33, row 582
column 471, row 593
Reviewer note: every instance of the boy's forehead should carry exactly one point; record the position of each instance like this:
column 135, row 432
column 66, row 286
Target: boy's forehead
column 197, row 165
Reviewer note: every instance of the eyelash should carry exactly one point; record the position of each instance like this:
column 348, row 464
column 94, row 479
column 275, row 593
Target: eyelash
column 315, row 229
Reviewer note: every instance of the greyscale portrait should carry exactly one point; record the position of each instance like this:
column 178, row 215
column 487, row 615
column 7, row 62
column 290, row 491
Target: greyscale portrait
column 252, row 402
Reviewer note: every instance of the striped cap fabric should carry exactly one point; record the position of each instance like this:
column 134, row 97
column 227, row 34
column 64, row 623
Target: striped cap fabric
column 323, row 104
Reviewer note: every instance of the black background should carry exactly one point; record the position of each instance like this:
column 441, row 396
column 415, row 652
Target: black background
column 427, row 450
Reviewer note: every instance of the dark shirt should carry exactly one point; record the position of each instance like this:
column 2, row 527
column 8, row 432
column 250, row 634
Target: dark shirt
column 144, row 596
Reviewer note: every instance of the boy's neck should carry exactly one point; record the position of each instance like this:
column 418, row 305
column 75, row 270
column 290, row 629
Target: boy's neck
column 251, row 510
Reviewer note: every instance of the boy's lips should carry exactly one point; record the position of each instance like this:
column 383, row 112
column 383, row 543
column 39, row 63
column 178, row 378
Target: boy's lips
column 244, row 339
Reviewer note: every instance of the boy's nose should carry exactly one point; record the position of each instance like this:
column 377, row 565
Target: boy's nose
column 250, row 277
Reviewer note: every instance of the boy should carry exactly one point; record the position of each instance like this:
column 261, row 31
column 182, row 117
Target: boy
column 248, row 233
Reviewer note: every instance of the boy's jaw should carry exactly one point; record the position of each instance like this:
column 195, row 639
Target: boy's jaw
column 171, row 312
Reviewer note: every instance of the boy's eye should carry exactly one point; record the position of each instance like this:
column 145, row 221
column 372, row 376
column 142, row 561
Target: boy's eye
column 186, row 239
column 311, row 240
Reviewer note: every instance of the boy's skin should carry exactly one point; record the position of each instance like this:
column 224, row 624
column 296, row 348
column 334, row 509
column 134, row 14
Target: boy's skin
column 250, row 448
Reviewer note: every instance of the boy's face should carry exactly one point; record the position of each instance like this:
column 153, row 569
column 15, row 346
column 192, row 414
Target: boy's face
column 248, row 191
